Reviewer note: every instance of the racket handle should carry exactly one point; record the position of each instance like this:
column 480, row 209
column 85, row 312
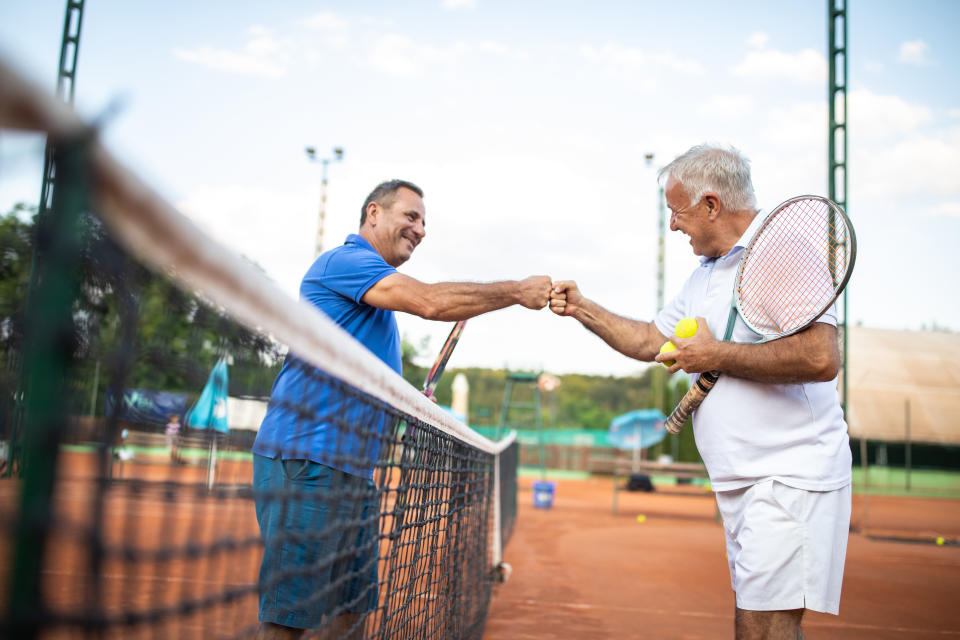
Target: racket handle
column 691, row 400
column 433, row 377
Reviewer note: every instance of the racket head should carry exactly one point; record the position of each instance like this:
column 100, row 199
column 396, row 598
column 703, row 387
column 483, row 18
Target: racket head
column 795, row 266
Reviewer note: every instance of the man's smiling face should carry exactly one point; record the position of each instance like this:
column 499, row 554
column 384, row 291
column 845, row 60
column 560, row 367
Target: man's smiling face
column 400, row 227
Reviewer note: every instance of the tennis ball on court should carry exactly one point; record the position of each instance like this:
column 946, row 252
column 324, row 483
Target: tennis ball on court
column 940, row 542
column 643, row 518
column 686, row 328
column 667, row 347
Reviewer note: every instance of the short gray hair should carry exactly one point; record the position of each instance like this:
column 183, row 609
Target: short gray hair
column 385, row 193
column 723, row 170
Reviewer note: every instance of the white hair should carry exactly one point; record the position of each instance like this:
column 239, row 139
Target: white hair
column 723, row 170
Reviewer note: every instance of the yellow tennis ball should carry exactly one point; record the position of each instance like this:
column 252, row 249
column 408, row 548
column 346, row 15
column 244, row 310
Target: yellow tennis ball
column 667, row 347
column 686, row 328
column 643, row 518
column 940, row 542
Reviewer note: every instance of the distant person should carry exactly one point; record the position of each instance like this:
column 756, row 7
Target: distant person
column 772, row 432
column 358, row 286
column 172, row 432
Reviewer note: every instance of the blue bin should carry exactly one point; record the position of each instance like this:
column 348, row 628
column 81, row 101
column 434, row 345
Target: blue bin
column 543, row 494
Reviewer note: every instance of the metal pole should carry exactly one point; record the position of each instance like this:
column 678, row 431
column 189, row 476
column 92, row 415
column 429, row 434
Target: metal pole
column 48, row 359
column 322, row 215
column 323, row 207
column 837, row 140
column 866, row 483
column 907, row 452
column 66, row 80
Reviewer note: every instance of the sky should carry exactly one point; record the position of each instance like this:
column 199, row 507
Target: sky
column 527, row 124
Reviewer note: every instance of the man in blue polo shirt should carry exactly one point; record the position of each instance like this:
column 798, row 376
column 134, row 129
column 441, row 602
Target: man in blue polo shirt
column 358, row 286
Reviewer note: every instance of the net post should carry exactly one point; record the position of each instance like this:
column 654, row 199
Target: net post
column 497, row 551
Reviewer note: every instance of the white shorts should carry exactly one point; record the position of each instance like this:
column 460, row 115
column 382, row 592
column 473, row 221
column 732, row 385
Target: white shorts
column 785, row 546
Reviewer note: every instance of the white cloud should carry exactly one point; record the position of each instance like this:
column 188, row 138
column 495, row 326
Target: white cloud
column 953, row 113
column 948, row 209
column 797, row 125
column 619, row 57
column 669, row 61
column 926, row 165
column 915, row 52
column 614, row 54
column 398, row 55
column 325, row 21
column 876, row 117
column 806, row 67
column 256, row 221
column 459, row 4
column 726, row 106
column 332, row 29
column 501, row 49
column 758, row 40
column 263, row 55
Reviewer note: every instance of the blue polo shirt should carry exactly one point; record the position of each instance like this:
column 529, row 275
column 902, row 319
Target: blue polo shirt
column 306, row 414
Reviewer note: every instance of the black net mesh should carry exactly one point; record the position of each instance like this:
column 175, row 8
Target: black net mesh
column 129, row 507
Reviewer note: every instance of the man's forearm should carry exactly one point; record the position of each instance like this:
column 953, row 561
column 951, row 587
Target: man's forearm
column 809, row 356
column 454, row 301
column 633, row 338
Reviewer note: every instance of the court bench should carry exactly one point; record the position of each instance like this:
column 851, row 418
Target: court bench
column 624, row 466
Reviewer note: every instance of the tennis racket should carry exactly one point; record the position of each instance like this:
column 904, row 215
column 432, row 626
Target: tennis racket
column 791, row 271
column 430, row 384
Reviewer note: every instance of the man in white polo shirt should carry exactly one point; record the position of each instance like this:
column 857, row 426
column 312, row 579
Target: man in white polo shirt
column 771, row 433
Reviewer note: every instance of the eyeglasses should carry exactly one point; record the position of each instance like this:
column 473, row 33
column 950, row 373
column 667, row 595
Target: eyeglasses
column 674, row 214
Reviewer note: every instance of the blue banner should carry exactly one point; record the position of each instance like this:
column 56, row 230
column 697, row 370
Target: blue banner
column 210, row 410
column 145, row 406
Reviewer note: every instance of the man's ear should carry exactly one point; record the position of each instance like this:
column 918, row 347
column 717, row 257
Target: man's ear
column 712, row 200
column 373, row 210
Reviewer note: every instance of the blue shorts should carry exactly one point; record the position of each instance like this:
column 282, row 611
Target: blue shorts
column 320, row 532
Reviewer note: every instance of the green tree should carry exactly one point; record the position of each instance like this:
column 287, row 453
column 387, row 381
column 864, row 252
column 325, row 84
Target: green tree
column 16, row 253
column 16, row 248
column 132, row 328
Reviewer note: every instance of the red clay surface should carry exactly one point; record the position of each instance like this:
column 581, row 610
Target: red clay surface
column 581, row 572
column 578, row 570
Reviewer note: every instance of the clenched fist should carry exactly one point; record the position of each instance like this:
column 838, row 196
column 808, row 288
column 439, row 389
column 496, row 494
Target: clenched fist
column 565, row 297
column 535, row 292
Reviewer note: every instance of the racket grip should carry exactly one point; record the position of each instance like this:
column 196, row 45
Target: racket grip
column 691, row 400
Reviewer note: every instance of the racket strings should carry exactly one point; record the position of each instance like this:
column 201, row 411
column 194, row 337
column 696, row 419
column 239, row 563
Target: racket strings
column 793, row 267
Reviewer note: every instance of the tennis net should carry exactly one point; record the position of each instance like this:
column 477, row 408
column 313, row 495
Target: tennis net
column 118, row 521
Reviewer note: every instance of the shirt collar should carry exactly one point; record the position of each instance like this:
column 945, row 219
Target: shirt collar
column 357, row 239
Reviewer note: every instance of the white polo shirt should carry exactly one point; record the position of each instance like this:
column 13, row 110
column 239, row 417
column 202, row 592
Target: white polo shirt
column 750, row 431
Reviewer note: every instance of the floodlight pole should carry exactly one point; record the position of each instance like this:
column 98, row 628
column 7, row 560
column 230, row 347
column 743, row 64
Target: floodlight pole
column 66, row 82
column 312, row 155
column 661, row 235
column 837, row 139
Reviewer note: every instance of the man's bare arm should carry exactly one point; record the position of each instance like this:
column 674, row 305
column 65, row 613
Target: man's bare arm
column 813, row 355
column 633, row 338
column 453, row 301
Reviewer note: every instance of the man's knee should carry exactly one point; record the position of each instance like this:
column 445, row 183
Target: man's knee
column 768, row 625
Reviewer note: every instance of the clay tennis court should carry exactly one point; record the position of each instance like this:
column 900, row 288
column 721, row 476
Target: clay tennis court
column 578, row 570
column 581, row 572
